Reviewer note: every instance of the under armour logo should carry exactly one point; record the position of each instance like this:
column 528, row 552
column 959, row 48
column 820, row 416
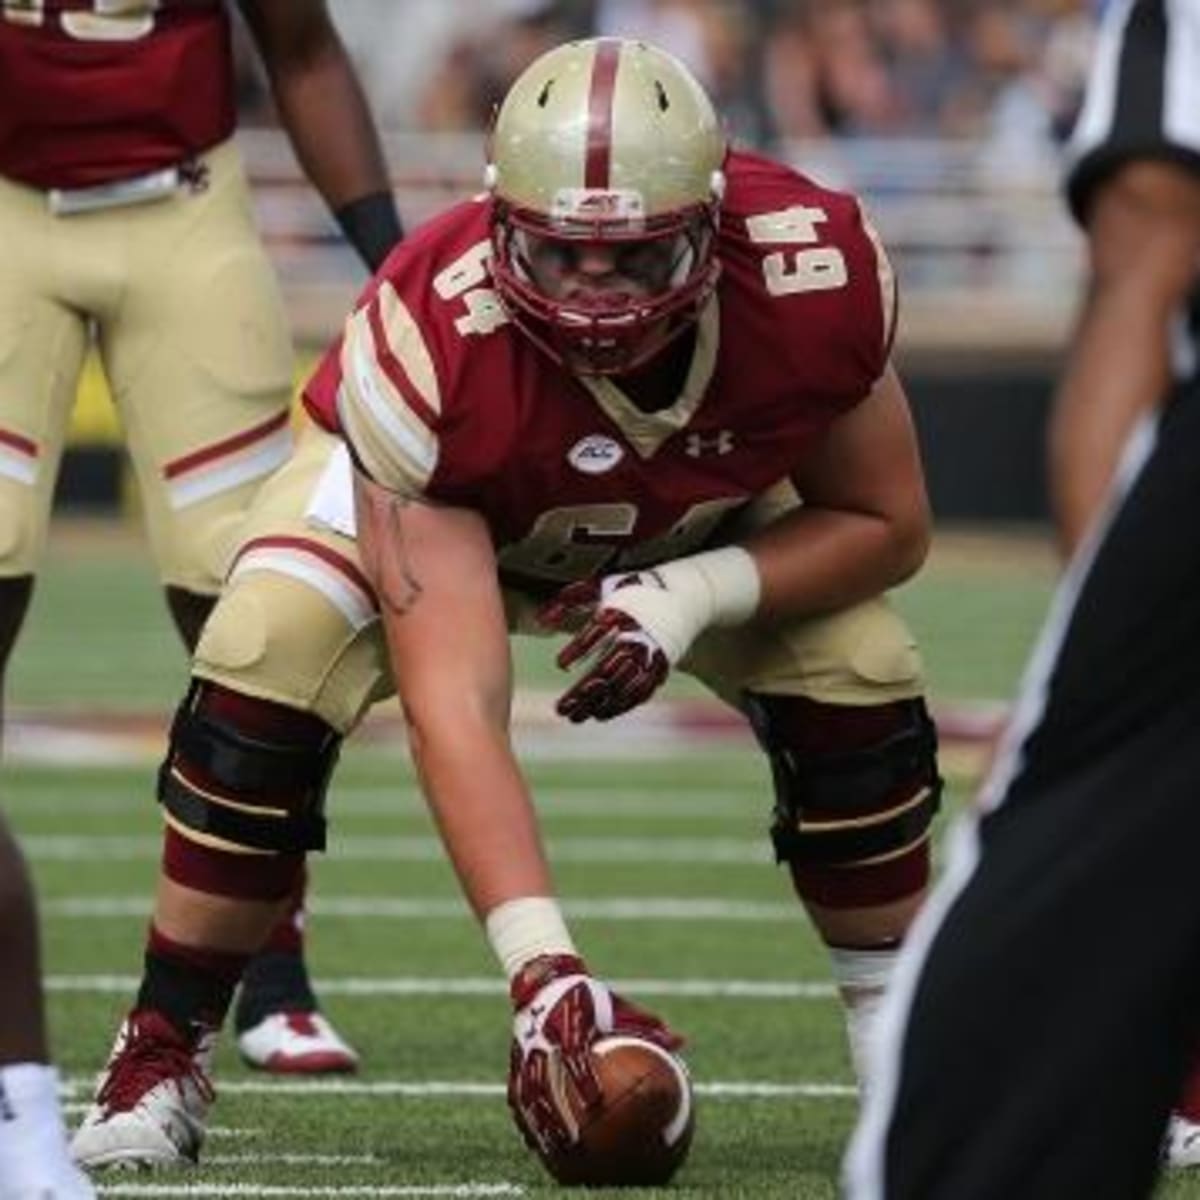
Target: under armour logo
column 535, row 1014
column 195, row 175
column 717, row 443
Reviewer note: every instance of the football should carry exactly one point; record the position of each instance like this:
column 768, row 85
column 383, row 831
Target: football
column 641, row 1133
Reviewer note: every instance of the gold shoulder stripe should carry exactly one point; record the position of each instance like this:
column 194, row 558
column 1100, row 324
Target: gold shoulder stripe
column 393, row 442
column 402, row 340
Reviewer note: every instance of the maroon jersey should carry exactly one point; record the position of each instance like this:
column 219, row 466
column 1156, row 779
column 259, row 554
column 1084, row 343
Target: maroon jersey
column 94, row 92
column 440, row 395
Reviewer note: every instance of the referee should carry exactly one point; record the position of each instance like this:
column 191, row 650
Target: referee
column 1044, row 1013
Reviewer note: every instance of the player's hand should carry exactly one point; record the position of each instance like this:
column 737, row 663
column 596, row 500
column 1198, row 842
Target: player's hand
column 560, row 1011
column 632, row 643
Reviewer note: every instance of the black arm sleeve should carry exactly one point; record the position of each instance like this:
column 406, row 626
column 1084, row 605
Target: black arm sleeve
column 372, row 226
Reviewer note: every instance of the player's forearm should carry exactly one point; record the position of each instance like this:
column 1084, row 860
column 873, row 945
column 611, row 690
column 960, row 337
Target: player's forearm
column 325, row 113
column 810, row 562
column 864, row 524
column 1144, row 241
column 1118, row 371
column 819, row 560
column 484, row 812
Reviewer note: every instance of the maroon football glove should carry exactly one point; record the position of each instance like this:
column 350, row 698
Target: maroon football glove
column 628, row 663
column 569, row 608
column 560, row 1011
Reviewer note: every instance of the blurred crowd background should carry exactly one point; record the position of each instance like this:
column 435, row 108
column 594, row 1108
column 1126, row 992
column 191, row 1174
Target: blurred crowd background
column 946, row 116
column 780, row 70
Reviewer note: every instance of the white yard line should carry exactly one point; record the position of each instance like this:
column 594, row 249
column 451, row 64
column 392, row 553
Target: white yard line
column 258, row 1158
column 293, row 1160
column 346, row 1190
column 391, row 908
column 734, row 989
column 729, row 1089
column 600, row 850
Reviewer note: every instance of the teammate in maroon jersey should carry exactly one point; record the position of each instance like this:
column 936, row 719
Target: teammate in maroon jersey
column 639, row 392
column 125, row 220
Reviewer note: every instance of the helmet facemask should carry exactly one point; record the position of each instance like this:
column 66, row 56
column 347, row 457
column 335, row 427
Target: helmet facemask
column 596, row 321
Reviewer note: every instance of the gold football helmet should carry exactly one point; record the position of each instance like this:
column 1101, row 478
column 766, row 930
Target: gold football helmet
column 605, row 149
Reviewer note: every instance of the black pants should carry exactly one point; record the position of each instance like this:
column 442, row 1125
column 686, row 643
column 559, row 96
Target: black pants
column 1050, row 1009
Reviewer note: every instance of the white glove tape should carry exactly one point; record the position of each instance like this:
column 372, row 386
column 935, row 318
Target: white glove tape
column 519, row 930
column 680, row 598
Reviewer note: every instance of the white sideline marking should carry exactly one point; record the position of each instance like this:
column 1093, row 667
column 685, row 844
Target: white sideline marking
column 391, row 908
column 260, row 1189
column 106, row 848
column 740, row 989
column 466, row 1089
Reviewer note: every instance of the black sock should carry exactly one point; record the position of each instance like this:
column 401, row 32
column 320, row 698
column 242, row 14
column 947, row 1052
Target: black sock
column 186, row 994
column 275, row 981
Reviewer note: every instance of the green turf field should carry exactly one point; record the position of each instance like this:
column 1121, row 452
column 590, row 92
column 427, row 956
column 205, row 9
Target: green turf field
column 662, row 857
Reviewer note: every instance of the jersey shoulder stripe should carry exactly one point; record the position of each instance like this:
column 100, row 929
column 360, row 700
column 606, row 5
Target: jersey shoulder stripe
column 388, row 400
column 403, row 354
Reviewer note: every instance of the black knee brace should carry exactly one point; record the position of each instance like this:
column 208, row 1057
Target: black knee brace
column 852, row 784
column 259, row 791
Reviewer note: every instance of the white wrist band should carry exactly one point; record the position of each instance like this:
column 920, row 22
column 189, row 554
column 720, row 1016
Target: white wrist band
column 519, row 930
column 685, row 596
column 725, row 583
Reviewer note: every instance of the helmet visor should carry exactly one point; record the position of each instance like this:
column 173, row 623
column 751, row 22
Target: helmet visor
column 601, row 297
column 569, row 269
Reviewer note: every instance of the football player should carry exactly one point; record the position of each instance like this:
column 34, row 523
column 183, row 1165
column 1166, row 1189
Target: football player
column 639, row 391
column 125, row 222
column 34, row 1161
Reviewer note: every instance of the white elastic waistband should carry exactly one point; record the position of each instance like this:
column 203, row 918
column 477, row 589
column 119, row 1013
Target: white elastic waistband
column 140, row 189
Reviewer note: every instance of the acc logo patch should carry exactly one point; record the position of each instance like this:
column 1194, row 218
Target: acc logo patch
column 595, row 454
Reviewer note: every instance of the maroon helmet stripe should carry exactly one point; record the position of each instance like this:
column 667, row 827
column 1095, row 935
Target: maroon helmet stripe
column 600, row 114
